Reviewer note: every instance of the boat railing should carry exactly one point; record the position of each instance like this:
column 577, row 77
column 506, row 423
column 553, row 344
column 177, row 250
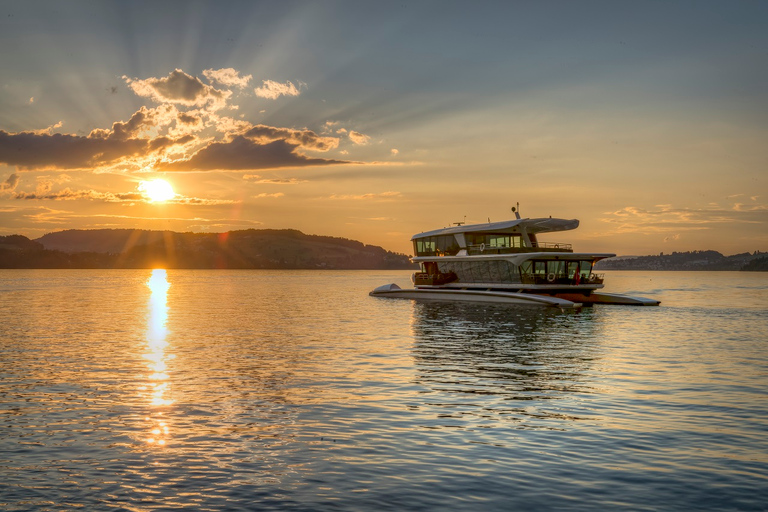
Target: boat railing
column 553, row 246
column 556, row 278
column 475, row 249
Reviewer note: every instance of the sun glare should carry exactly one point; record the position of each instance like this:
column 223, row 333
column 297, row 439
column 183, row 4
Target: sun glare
column 157, row 190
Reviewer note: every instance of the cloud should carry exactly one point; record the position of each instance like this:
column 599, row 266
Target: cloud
column 184, row 133
column 668, row 219
column 68, row 194
column 197, row 201
column 141, row 121
column 255, row 178
column 358, row 138
column 275, row 195
column 273, row 90
column 243, row 154
column 227, row 76
column 306, row 139
column 9, row 185
column 27, row 150
column 394, row 152
column 181, row 88
column 379, row 196
column 49, row 129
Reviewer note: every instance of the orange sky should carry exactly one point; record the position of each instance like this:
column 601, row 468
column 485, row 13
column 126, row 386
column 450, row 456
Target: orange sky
column 375, row 122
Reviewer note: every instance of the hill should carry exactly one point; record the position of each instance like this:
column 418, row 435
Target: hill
column 247, row 249
column 692, row 260
column 757, row 265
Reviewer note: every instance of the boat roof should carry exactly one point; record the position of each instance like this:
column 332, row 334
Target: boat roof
column 542, row 225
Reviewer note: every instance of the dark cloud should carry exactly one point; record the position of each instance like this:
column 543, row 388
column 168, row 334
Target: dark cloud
column 307, row 139
column 242, row 153
column 163, row 142
column 69, row 195
column 10, row 183
column 28, row 150
column 189, row 119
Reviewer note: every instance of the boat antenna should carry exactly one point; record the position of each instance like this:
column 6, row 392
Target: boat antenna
column 461, row 223
column 516, row 211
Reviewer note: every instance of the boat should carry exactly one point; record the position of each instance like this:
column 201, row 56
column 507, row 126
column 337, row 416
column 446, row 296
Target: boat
column 505, row 262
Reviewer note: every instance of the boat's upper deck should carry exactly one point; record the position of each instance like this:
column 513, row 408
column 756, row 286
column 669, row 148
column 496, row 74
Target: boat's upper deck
column 531, row 226
column 512, row 236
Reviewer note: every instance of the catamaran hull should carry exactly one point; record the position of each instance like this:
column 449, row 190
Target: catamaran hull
column 447, row 294
column 609, row 298
column 563, row 300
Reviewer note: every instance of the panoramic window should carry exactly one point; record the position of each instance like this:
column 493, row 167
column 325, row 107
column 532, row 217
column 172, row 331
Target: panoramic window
column 436, row 246
column 494, row 240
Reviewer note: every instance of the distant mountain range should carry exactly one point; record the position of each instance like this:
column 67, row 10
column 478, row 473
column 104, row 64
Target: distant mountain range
column 248, row 249
column 274, row 249
column 693, row 260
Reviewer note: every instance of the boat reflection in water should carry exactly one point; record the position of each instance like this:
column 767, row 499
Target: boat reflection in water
column 158, row 387
column 505, row 364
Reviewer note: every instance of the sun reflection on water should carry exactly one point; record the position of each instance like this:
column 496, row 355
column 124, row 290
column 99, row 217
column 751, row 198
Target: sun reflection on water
column 159, row 381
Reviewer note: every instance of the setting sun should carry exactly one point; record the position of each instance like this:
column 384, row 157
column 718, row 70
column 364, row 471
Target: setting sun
column 157, row 190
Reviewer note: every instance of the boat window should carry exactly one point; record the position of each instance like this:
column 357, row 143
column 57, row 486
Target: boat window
column 436, row 246
column 556, row 267
column 495, row 240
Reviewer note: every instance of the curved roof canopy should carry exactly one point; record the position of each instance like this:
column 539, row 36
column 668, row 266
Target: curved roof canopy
column 543, row 225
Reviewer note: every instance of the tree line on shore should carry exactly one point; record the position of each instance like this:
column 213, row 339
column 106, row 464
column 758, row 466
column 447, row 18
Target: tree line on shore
column 246, row 249
column 691, row 260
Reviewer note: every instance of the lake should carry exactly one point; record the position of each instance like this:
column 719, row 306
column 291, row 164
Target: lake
column 294, row 390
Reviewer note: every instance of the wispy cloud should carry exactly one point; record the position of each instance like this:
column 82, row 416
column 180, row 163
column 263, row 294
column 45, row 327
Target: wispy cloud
column 67, row 194
column 378, row 196
column 255, row 178
column 227, row 76
column 358, row 138
column 273, row 90
column 669, row 219
column 265, row 195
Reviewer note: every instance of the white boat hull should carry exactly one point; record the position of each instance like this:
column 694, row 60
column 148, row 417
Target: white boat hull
column 452, row 294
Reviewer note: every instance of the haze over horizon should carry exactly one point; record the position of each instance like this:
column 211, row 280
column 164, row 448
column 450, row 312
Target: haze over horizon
column 373, row 122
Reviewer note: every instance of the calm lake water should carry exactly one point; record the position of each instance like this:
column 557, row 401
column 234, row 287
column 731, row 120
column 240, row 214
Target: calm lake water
column 294, row 390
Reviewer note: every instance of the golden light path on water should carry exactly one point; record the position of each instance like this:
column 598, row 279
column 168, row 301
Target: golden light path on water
column 157, row 357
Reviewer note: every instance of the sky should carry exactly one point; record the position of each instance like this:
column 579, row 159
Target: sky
column 647, row 121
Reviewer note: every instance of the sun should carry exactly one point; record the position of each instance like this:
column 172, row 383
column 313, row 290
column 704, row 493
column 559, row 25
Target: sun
column 157, row 190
